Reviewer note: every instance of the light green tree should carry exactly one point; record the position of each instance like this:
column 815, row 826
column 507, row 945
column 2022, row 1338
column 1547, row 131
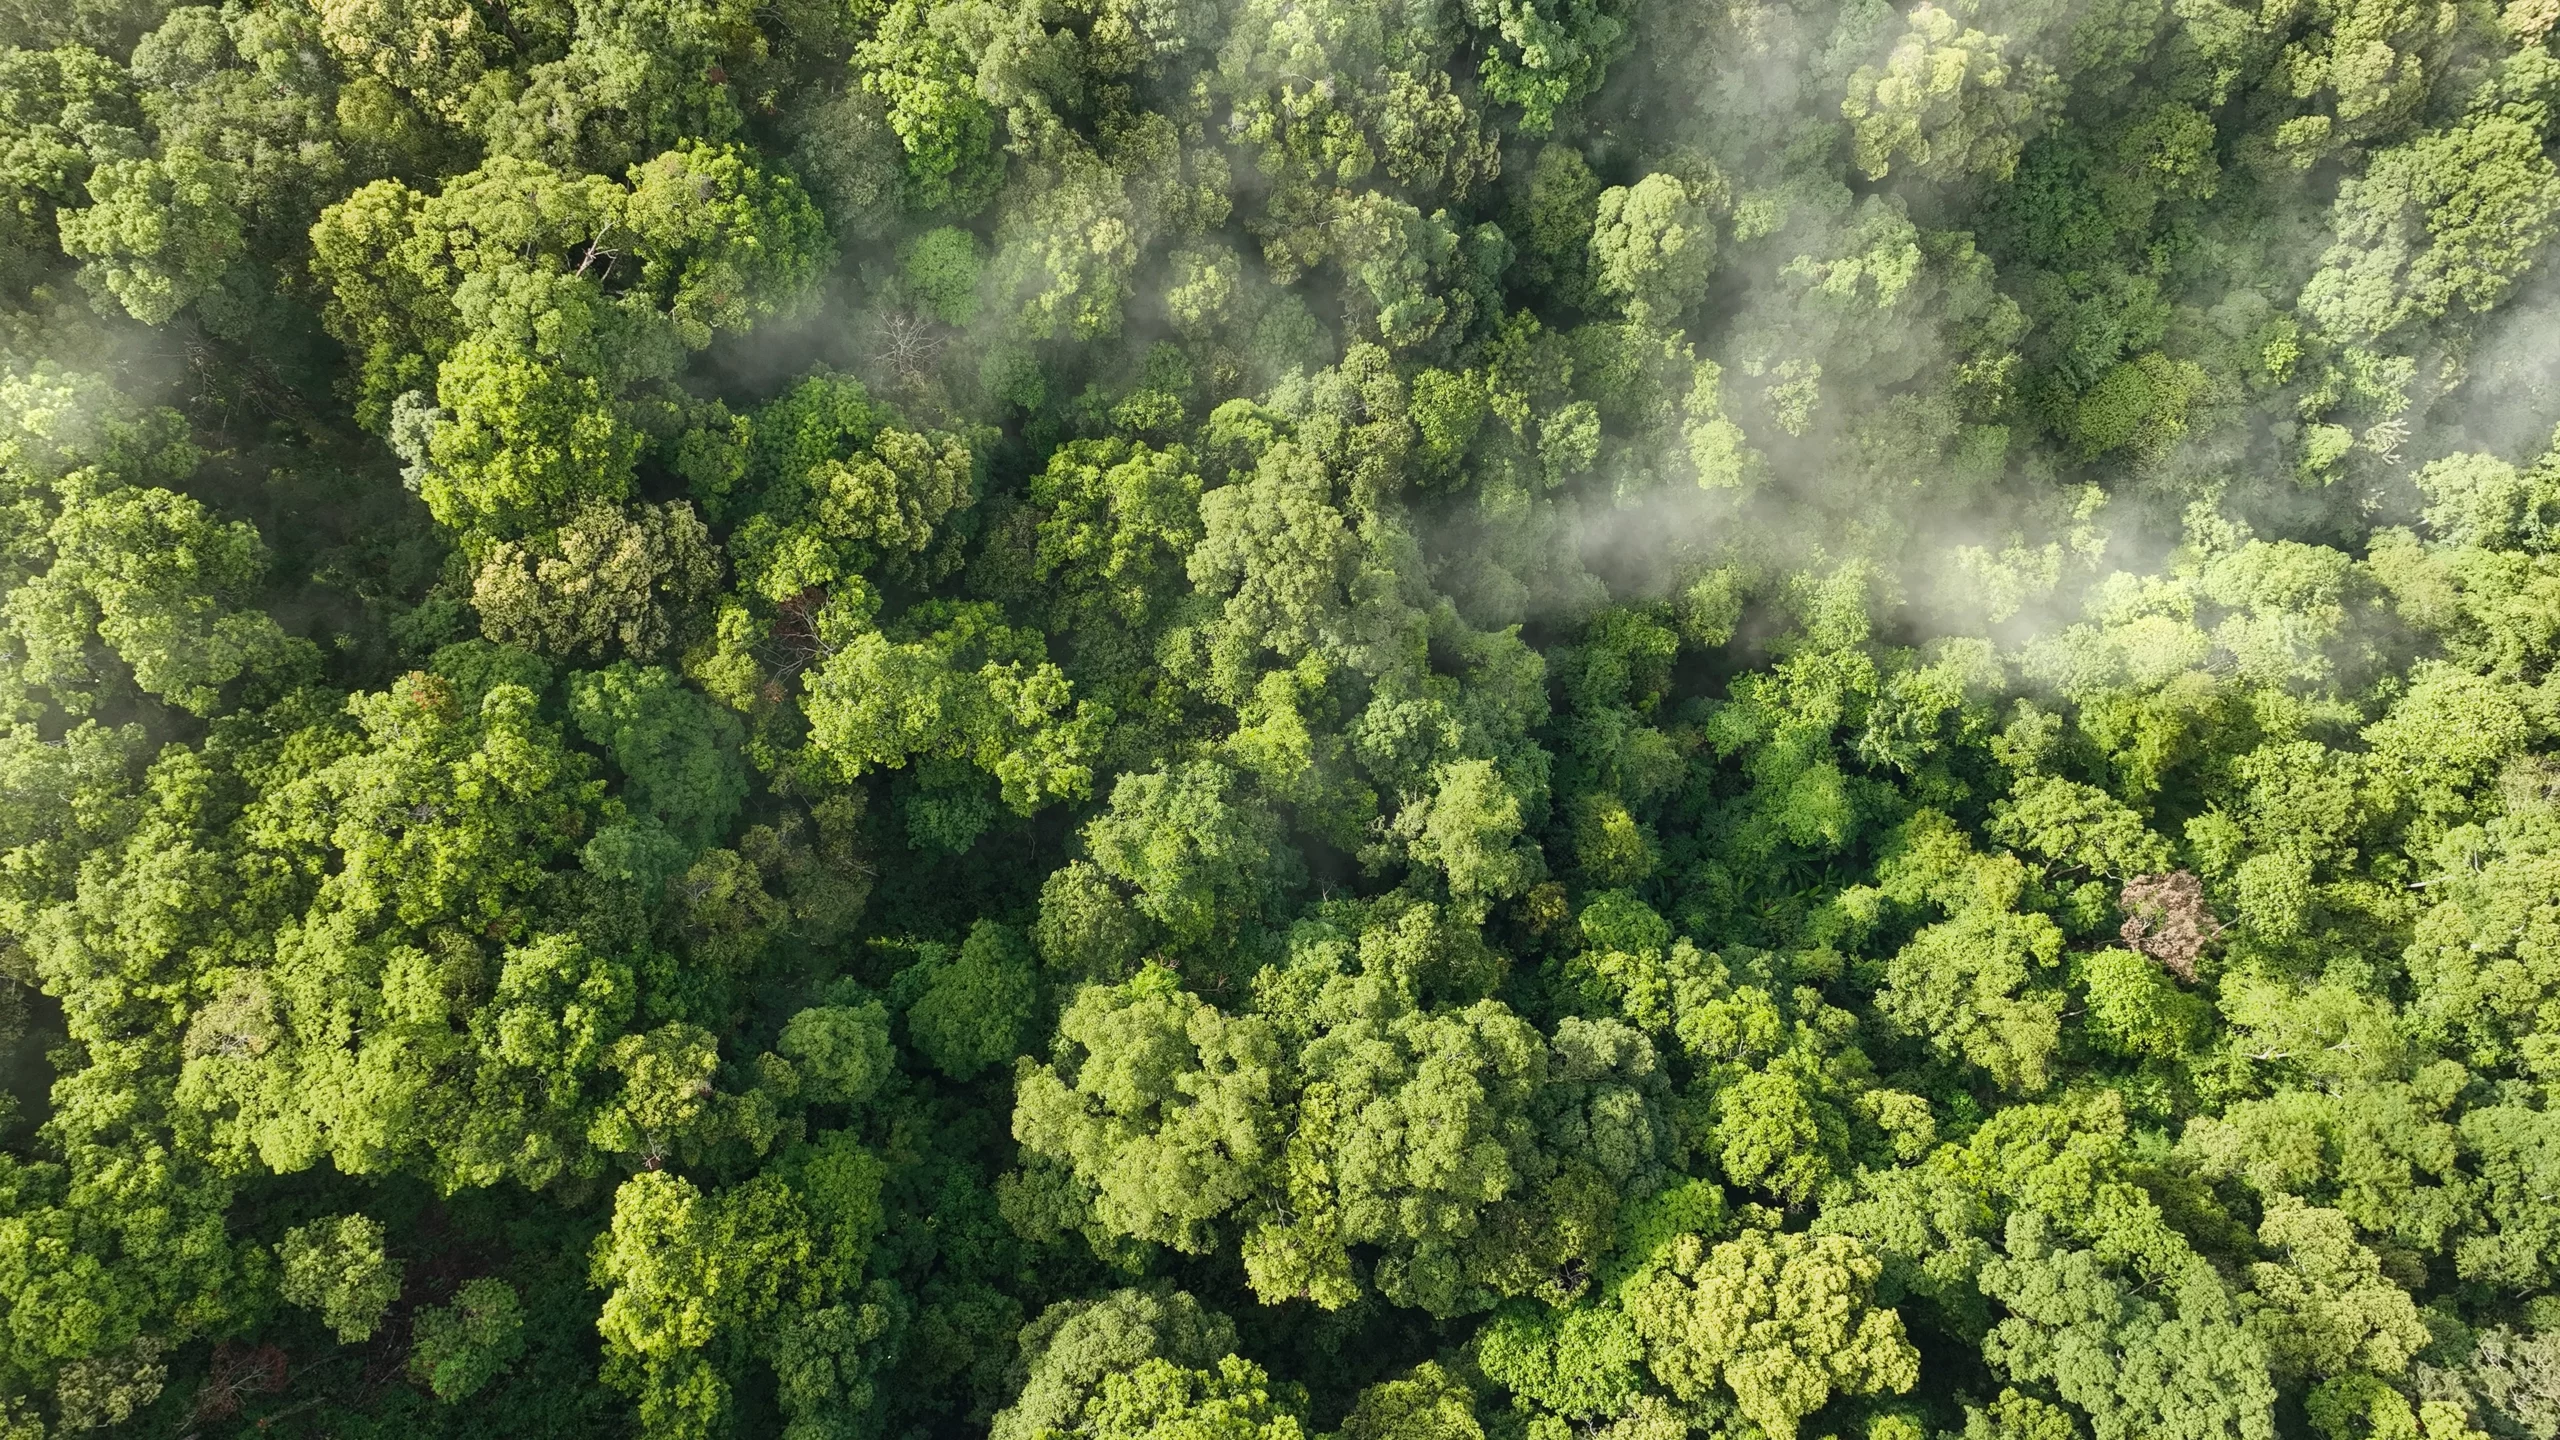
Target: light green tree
column 337, row 1267
column 1783, row 1321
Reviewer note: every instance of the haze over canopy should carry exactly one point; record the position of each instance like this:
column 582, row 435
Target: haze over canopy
column 1272, row 719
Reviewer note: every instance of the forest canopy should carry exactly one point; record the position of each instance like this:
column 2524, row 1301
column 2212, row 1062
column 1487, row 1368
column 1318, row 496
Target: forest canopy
column 1280, row 719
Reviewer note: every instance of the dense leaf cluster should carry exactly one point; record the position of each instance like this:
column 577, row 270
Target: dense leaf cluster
column 1237, row 720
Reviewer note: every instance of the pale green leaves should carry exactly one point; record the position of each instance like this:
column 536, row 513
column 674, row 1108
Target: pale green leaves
column 337, row 1267
column 1121, row 518
column 162, row 583
column 1580, row 1362
column 1782, row 1321
column 523, row 440
column 1975, row 985
column 1948, row 102
column 2444, row 223
column 1654, row 244
column 964, row 687
column 723, row 242
column 882, row 502
column 606, row 578
column 161, row 233
column 1159, row 1400
column 2478, row 499
column 842, row 1051
column 2327, row 1308
column 1428, row 1404
column 922, row 71
column 1551, row 54
column 1470, row 831
column 1075, row 1346
column 2179, row 1365
column 1162, row 1104
column 750, row 1265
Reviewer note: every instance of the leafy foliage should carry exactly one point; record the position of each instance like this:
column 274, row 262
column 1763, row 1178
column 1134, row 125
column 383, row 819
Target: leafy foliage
column 1508, row 720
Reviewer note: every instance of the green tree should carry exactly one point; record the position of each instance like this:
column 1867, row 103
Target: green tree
column 1160, row 1103
column 973, row 1009
column 522, row 442
column 2133, row 1365
column 157, row 580
column 1781, row 1320
column 696, row 1278
column 676, row 751
column 456, row 1349
column 1579, row 1363
column 337, row 1267
column 607, row 577
column 1075, row 1347
column 2326, row 1308
column 951, row 681
column 1428, row 1404
column 1948, row 101
column 1654, row 244
column 842, row 1051
column 160, row 233
column 1200, row 850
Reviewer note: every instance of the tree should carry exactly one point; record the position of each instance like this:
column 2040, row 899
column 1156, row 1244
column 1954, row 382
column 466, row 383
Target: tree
column 723, row 242
column 677, row 752
column 430, row 50
column 637, row 76
column 1158, row 1398
column 162, row 583
column 950, row 681
column 941, row 269
column 523, row 442
column 1427, row 1404
column 1579, row 1363
column 608, row 577
column 1549, row 55
column 1948, row 101
column 1161, row 1106
column 2133, row 1365
column 1470, row 830
column 1120, row 518
column 160, row 233
column 57, row 96
column 2446, row 221
column 842, row 1051
column 1781, row 1320
column 1773, row 1133
column 1554, row 230
column 456, row 1349
column 414, row 826
column 921, row 72
column 1413, row 1126
column 1076, row 1347
column 2327, row 1309
column 1199, row 860
column 1065, row 253
column 973, row 1009
column 1087, row 927
column 682, row 1267
column 337, row 1267
column 695, row 1278
column 1653, row 245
